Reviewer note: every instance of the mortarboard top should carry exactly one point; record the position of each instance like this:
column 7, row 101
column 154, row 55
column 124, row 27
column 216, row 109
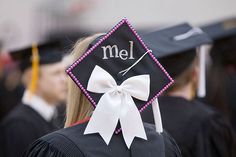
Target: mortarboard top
column 49, row 52
column 125, row 38
column 176, row 46
column 224, row 36
column 221, row 29
column 119, row 49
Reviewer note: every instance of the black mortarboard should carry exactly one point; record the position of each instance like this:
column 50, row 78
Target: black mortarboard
column 221, row 29
column 120, row 50
column 223, row 34
column 176, row 47
column 49, row 52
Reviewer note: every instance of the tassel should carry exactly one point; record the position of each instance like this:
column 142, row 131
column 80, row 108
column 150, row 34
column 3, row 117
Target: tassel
column 202, row 72
column 35, row 69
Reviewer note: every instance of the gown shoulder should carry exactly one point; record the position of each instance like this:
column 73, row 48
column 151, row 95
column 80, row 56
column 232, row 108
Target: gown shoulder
column 70, row 142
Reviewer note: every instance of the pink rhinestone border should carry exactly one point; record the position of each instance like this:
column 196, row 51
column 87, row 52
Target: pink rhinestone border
column 97, row 44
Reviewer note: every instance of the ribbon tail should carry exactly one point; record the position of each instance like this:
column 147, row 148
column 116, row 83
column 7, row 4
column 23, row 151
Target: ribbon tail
column 157, row 116
column 105, row 117
column 131, row 121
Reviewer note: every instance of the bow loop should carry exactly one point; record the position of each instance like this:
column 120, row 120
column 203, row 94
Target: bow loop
column 98, row 84
column 138, row 86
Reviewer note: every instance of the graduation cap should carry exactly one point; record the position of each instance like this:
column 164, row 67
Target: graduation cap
column 223, row 34
column 120, row 77
column 48, row 53
column 221, row 29
column 36, row 55
column 176, row 49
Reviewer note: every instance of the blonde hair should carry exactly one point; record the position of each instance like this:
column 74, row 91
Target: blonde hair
column 185, row 77
column 78, row 106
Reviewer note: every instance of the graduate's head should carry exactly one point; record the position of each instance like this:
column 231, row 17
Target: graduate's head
column 178, row 48
column 120, row 78
column 43, row 72
column 223, row 51
column 52, row 82
column 184, row 68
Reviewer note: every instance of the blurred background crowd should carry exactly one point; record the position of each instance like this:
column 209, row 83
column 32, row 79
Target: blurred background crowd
column 28, row 21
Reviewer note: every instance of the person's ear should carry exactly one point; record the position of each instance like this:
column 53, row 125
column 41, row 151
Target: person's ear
column 195, row 74
column 26, row 77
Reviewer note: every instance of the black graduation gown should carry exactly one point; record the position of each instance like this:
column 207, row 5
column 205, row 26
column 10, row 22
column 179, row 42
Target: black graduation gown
column 71, row 142
column 20, row 128
column 231, row 100
column 59, row 119
column 198, row 130
column 9, row 98
column 227, row 94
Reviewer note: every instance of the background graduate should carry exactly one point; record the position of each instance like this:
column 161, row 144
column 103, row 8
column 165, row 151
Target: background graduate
column 197, row 129
column 221, row 76
column 45, row 87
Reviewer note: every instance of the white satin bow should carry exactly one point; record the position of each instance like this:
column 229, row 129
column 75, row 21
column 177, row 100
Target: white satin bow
column 116, row 104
